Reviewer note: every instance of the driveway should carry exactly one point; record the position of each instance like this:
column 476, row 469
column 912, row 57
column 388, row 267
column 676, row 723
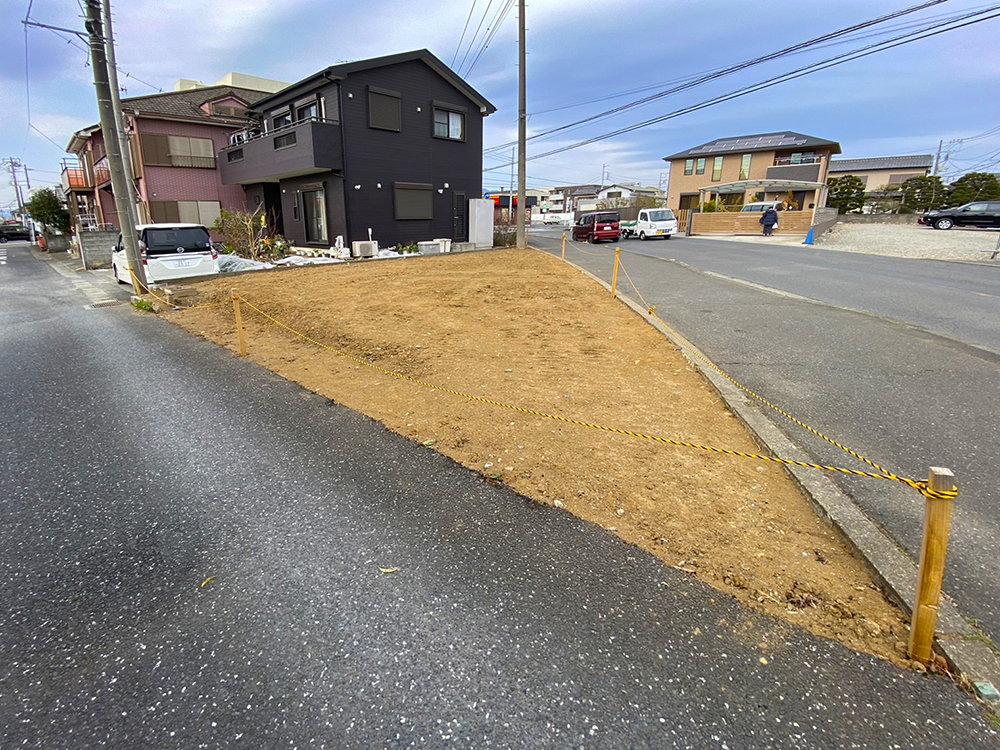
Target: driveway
column 896, row 358
column 192, row 554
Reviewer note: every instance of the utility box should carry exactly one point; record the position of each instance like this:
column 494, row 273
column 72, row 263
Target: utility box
column 481, row 223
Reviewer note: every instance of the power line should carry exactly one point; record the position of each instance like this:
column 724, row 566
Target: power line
column 732, row 69
column 472, row 41
column 856, row 54
column 462, row 38
column 497, row 23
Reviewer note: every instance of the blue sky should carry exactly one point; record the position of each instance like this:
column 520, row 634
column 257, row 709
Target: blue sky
column 901, row 101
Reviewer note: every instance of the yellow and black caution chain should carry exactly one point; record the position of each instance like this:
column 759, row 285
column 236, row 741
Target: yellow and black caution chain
column 915, row 484
column 136, row 284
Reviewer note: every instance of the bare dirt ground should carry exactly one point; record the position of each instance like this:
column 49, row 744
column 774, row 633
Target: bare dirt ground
column 523, row 328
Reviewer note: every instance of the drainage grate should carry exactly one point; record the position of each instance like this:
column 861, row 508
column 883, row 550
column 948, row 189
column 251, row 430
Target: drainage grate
column 105, row 303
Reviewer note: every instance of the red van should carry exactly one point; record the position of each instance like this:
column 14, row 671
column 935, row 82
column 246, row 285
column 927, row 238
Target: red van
column 600, row 225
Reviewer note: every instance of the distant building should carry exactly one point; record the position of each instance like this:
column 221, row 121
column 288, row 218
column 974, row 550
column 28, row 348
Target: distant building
column 737, row 170
column 173, row 137
column 882, row 171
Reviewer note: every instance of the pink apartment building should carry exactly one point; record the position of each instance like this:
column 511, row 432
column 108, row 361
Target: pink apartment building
column 174, row 139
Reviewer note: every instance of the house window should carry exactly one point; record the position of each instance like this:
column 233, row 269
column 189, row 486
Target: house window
column 205, row 213
column 745, row 167
column 284, row 141
column 413, row 200
column 700, row 167
column 307, row 111
column 899, row 179
column 177, row 151
column 450, row 125
column 802, row 157
column 614, row 194
column 281, row 119
column 689, row 166
column 235, row 155
column 383, row 109
column 717, row 169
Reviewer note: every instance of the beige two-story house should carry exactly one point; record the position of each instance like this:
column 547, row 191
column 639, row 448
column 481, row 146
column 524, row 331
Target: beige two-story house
column 883, row 171
column 785, row 166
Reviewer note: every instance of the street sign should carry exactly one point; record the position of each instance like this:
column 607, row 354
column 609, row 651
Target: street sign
column 486, row 195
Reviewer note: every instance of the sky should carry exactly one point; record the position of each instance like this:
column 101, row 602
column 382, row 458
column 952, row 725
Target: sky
column 902, row 101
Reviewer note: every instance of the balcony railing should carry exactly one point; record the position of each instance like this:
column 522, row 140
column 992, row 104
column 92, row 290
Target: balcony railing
column 102, row 172
column 784, row 161
column 74, row 176
column 253, row 133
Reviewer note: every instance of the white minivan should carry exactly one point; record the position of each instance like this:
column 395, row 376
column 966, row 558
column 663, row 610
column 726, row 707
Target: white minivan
column 168, row 252
column 652, row 222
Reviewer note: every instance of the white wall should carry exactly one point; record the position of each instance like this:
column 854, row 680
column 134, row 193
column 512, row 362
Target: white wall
column 481, row 223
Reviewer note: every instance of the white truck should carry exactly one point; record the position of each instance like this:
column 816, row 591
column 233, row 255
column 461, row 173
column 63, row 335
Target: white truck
column 652, row 222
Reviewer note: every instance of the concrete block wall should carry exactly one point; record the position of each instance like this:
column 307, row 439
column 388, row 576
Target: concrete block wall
column 96, row 248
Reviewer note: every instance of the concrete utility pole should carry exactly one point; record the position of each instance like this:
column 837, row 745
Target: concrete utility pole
column 120, row 182
column 510, row 192
column 116, row 103
column 522, row 132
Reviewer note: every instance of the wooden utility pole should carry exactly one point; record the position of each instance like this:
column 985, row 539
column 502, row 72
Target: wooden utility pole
column 120, row 182
column 522, row 131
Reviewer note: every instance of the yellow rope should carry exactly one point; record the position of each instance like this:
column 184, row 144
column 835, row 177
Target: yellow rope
column 586, row 252
column 917, row 485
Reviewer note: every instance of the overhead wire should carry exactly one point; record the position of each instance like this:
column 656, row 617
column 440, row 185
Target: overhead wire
column 472, row 41
column 498, row 22
column 731, row 69
column 857, row 54
column 465, row 29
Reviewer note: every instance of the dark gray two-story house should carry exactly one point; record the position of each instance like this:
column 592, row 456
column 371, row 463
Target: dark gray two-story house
column 392, row 144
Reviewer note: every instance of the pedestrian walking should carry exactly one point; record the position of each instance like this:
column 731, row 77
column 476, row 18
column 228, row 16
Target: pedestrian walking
column 769, row 220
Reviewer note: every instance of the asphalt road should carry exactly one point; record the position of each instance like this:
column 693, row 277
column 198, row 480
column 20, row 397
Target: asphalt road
column 190, row 550
column 898, row 359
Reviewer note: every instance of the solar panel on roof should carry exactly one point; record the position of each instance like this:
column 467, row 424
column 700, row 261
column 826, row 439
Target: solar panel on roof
column 778, row 140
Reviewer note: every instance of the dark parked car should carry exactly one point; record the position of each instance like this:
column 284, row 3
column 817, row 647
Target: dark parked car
column 979, row 214
column 13, row 232
column 601, row 225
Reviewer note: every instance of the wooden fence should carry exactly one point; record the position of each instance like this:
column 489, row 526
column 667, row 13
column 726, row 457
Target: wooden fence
column 789, row 222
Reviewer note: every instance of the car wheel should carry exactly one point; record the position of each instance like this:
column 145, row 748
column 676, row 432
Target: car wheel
column 591, row 239
column 3, row 239
column 642, row 236
column 666, row 236
column 944, row 224
column 114, row 269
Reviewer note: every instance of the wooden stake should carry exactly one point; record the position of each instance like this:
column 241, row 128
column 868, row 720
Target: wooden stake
column 240, row 336
column 614, row 279
column 933, row 553
column 564, row 246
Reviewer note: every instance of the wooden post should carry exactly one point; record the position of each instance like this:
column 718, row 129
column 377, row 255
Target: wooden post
column 614, row 279
column 240, row 337
column 933, row 552
column 564, row 246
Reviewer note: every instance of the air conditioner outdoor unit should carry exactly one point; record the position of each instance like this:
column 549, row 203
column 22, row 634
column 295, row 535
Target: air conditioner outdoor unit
column 364, row 249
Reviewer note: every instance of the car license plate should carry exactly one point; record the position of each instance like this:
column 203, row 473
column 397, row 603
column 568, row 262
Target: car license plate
column 659, row 231
column 183, row 263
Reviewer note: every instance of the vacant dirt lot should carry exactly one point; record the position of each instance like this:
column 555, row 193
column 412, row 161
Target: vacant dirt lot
column 525, row 329
column 911, row 241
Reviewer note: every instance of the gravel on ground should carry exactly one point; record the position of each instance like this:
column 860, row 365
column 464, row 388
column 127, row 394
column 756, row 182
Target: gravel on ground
column 911, row 241
column 525, row 329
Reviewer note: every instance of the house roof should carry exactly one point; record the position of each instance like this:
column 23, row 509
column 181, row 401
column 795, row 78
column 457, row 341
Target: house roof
column 187, row 104
column 882, row 162
column 345, row 69
column 742, row 144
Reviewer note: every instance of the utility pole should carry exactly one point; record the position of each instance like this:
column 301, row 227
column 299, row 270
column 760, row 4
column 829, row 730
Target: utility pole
column 937, row 159
column 13, row 163
column 116, row 103
column 522, row 130
column 120, row 182
column 510, row 193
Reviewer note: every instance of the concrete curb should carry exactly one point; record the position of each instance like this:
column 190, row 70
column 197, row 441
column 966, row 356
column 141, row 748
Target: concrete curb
column 970, row 654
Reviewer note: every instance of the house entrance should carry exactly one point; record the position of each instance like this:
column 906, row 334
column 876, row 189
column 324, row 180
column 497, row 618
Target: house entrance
column 460, row 229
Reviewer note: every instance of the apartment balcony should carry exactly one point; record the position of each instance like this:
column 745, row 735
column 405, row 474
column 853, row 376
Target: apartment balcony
column 75, row 177
column 102, row 172
column 802, row 168
column 301, row 148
